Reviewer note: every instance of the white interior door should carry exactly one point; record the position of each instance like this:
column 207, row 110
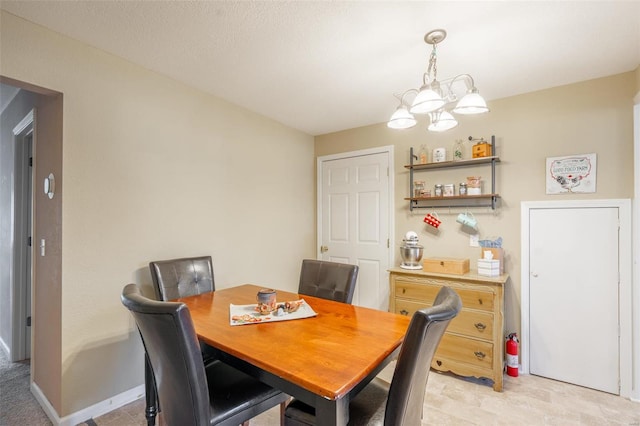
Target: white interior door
column 573, row 296
column 354, row 221
column 28, row 249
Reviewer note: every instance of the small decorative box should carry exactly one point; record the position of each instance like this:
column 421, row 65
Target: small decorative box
column 446, row 265
column 481, row 149
column 488, row 268
column 497, row 253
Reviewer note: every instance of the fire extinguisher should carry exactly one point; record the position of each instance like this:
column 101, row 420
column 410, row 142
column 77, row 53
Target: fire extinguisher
column 512, row 355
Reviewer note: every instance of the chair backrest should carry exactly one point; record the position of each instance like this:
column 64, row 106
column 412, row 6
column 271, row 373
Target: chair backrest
column 183, row 277
column 408, row 386
column 328, row 280
column 171, row 343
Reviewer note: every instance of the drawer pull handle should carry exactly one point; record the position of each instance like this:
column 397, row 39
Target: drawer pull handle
column 404, row 312
column 479, row 355
column 439, row 363
column 404, row 290
column 480, row 301
column 480, row 326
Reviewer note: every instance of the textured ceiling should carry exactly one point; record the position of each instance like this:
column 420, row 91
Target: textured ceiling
column 321, row 66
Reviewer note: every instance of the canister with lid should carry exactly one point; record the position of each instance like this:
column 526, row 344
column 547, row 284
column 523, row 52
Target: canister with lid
column 463, row 189
column 438, row 190
column 418, row 188
column 474, row 185
column 449, row 190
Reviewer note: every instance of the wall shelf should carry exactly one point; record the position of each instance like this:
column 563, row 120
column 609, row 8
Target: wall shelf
column 448, row 164
column 484, row 200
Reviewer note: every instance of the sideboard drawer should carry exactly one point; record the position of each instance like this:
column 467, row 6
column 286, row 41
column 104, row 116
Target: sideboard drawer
column 409, row 290
column 478, row 353
column 476, row 299
column 476, row 324
column 472, row 298
column 408, row 307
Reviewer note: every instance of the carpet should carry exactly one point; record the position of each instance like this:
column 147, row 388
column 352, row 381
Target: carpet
column 17, row 405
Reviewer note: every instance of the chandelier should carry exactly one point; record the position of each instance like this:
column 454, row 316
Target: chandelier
column 436, row 98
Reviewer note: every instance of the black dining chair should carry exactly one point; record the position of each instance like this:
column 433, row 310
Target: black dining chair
column 328, row 280
column 187, row 276
column 172, row 279
column 190, row 391
column 399, row 403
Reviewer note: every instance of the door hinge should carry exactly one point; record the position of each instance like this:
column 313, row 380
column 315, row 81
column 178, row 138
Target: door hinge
column 30, row 161
column 388, row 243
column 29, row 321
column 29, row 241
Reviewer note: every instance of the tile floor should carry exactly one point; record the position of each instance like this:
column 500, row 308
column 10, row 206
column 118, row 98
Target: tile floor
column 451, row 400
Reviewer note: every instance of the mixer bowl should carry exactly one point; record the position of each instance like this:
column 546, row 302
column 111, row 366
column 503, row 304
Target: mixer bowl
column 411, row 255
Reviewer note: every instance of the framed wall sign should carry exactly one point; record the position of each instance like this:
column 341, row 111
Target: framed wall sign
column 574, row 173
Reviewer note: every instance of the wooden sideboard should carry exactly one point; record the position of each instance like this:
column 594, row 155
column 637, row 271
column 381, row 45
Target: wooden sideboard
column 474, row 342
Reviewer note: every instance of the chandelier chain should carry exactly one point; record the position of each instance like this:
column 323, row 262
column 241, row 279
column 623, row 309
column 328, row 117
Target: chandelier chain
column 433, row 64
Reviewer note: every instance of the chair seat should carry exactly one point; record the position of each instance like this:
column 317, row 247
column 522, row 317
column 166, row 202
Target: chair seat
column 366, row 409
column 235, row 395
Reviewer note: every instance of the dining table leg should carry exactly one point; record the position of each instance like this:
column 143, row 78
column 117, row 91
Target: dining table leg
column 332, row 412
column 151, row 397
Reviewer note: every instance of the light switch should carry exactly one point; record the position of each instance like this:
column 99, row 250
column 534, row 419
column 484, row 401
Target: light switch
column 473, row 240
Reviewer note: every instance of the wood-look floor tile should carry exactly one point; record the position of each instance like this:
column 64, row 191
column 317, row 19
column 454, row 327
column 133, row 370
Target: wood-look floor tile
column 455, row 401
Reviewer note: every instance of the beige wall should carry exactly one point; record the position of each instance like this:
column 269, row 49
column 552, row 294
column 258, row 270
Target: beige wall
column 593, row 116
column 153, row 169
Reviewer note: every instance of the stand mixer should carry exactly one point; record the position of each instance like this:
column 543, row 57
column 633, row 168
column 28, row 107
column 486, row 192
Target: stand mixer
column 411, row 251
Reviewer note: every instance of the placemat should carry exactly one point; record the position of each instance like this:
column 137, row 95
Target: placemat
column 247, row 314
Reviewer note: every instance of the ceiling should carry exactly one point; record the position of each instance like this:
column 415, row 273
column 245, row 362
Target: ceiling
column 326, row 66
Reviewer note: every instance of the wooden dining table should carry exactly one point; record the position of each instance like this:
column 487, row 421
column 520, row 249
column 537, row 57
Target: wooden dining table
column 323, row 360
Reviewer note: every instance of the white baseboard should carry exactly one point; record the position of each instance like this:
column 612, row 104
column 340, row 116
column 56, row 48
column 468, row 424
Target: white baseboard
column 93, row 411
column 44, row 403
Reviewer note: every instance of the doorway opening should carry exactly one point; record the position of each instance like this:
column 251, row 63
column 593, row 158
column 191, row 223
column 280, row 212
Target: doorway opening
column 23, row 187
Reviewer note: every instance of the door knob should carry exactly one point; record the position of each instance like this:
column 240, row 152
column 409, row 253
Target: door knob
column 324, row 249
column 534, row 275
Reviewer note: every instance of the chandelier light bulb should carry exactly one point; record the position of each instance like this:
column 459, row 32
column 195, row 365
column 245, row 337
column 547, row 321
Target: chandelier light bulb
column 471, row 103
column 441, row 121
column 401, row 119
column 427, row 100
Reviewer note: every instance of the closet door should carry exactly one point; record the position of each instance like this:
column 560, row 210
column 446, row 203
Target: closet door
column 573, row 295
column 354, row 221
